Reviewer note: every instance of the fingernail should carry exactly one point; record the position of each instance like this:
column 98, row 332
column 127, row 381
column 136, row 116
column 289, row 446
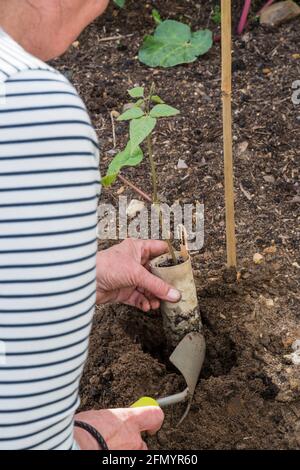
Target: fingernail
column 174, row 295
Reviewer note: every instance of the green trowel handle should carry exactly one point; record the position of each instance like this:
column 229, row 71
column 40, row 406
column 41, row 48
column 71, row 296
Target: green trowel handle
column 163, row 402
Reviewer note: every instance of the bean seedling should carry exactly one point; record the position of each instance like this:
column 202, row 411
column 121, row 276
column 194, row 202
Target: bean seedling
column 142, row 116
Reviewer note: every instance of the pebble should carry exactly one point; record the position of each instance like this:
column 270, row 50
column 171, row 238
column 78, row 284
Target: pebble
column 279, row 12
column 112, row 152
column 269, row 179
column 134, row 207
column 270, row 250
column 258, row 258
column 269, row 303
column 295, row 356
column 181, row 165
column 296, row 345
column 242, row 147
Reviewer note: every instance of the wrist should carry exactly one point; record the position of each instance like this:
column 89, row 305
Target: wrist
column 85, row 440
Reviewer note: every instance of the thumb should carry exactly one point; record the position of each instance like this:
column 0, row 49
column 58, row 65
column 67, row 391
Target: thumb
column 159, row 288
column 149, row 418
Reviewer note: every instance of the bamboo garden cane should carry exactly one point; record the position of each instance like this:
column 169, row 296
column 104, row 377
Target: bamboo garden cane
column 227, row 132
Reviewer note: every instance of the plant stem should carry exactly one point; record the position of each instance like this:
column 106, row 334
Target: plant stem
column 153, row 169
column 171, row 251
column 156, row 201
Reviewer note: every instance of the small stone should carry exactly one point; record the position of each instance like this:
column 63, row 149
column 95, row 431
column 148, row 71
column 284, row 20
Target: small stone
column 269, row 303
column 258, row 258
column 269, row 179
column 76, row 44
column 296, row 56
column 295, row 356
column 134, row 207
column 181, row 165
column 296, row 345
column 267, row 71
column 112, row 152
column 94, row 380
column 270, row 250
column 242, row 147
column 279, row 13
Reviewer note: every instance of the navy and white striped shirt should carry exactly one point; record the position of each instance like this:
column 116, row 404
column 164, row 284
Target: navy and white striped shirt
column 49, row 184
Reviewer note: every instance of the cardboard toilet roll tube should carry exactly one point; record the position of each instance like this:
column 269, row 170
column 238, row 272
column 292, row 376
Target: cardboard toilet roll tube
column 183, row 317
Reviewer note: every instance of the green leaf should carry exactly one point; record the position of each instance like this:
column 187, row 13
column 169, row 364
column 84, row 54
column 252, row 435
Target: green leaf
column 137, row 92
column 132, row 113
column 174, row 43
column 120, row 3
column 108, row 180
column 201, row 42
column 157, row 99
column 140, row 129
column 125, row 158
column 163, row 110
column 156, row 16
column 139, row 102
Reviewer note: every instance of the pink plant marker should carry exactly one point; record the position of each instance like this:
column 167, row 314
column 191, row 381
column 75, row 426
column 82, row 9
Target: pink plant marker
column 244, row 17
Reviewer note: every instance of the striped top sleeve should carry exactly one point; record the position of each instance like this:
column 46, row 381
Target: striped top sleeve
column 49, row 184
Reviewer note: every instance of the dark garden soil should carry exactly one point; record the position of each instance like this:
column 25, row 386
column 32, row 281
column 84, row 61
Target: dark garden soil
column 248, row 393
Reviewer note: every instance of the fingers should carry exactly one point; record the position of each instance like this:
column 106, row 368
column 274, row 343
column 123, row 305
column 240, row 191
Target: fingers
column 153, row 248
column 156, row 286
column 149, row 418
column 139, row 300
column 154, row 301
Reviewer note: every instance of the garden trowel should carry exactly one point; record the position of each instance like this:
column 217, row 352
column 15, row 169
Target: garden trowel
column 188, row 358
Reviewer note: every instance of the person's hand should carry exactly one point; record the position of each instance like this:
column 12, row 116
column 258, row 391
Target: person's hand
column 123, row 275
column 121, row 428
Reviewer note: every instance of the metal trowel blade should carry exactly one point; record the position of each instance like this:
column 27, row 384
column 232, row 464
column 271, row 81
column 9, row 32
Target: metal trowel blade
column 188, row 358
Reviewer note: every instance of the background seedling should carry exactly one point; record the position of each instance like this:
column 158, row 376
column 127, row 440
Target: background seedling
column 174, row 43
column 216, row 14
column 156, row 16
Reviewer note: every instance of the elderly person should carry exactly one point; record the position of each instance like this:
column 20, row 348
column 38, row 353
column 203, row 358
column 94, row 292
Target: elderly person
column 50, row 274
